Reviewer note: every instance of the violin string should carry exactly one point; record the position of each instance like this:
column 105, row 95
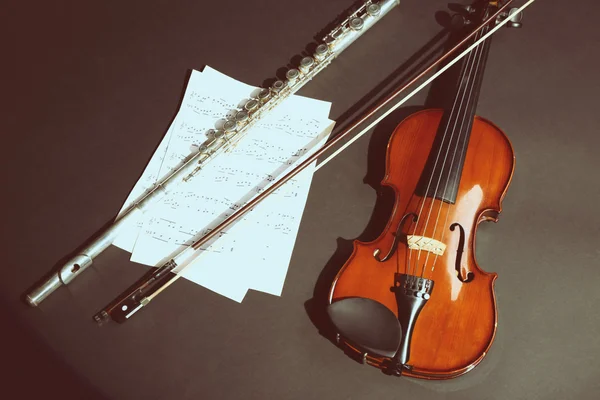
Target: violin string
column 464, row 107
column 443, row 69
column 397, row 262
column 427, row 81
column 369, row 126
column 423, row 200
column 437, row 159
column 461, row 94
column 462, row 132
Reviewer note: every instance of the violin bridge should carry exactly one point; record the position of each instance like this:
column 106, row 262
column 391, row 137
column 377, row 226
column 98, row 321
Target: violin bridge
column 427, row 244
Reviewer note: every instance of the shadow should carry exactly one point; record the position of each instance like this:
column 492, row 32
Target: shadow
column 316, row 306
column 440, row 95
column 61, row 262
column 97, row 234
column 32, row 369
column 338, row 20
column 56, row 268
column 407, row 70
column 309, row 49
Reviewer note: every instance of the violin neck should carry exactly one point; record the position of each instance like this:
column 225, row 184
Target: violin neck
column 462, row 113
column 444, row 166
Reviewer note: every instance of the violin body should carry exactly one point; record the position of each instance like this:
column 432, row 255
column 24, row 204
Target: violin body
column 456, row 327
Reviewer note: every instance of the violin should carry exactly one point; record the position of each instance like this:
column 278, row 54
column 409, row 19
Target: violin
column 414, row 301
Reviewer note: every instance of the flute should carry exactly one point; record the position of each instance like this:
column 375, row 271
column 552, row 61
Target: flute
column 233, row 130
column 156, row 281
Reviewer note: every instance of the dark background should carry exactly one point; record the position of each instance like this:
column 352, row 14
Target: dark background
column 88, row 90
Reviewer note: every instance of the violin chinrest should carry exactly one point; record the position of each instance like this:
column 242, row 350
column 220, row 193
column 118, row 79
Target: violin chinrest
column 367, row 323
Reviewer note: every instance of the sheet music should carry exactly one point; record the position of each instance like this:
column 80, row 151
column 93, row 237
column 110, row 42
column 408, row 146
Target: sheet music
column 255, row 252
column 129, row 233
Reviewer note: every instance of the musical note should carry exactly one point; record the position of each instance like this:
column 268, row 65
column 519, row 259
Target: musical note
column 283, row 137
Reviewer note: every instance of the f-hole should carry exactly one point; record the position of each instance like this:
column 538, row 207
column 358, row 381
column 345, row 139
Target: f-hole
column 397, row 236
column 459, row 254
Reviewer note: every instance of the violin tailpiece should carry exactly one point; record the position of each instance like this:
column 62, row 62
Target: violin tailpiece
column 412, row 292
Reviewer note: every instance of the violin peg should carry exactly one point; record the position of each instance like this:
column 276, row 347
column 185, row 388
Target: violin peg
column 469, row 9
column 461, row 8
column 514, row 16
column 458, row 21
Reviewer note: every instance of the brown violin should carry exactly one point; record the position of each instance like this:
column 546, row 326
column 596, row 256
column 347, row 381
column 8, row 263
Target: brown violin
column 414, row 301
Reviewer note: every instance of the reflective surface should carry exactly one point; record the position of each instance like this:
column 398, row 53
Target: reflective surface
column 91, row 88
column 458, row 324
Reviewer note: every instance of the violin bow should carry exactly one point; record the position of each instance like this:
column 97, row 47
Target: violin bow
column 152, row 284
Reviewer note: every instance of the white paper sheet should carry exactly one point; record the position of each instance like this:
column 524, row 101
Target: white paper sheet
column 255, row 252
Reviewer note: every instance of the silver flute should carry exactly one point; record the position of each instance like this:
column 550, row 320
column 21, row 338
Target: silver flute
column 225, row 137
